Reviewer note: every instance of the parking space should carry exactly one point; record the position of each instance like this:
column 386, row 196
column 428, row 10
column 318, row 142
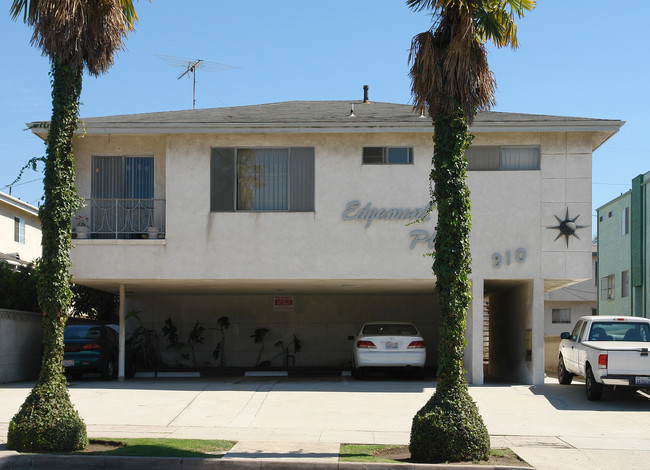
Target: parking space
column 543, row 418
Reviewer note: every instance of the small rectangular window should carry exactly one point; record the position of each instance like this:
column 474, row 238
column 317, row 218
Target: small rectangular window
column 607, row 288
column 625, row 221
column 504, row 158
column 19, row 230
column 387, row 155
column 561, row 315
column 519, row 158
column 625, row 284
column 610, row 214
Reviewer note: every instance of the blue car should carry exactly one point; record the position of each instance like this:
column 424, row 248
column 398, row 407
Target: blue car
column 92, row 348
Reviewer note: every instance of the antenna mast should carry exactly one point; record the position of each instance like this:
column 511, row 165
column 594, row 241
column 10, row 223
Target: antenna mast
column 190, row 65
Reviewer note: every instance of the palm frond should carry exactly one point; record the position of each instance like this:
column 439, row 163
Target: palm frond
column 449, row 68
column 78, row 32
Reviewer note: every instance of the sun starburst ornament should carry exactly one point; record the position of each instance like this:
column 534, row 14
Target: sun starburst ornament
column 567, row 227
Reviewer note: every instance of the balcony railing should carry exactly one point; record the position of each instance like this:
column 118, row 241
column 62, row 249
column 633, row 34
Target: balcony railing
column 120, row 219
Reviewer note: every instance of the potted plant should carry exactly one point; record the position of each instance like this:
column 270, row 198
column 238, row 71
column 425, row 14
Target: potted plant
column 81, row 226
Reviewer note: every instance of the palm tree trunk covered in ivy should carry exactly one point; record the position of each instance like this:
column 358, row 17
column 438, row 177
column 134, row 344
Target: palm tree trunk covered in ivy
column 452, row 264
column 452, row 81
column 47, row 420
column 73, row 34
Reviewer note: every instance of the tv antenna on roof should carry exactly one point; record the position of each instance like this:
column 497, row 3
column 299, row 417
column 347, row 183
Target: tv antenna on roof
column 191, row 65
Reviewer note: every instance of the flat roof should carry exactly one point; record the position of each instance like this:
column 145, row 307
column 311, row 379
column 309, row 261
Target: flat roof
column 18, row 204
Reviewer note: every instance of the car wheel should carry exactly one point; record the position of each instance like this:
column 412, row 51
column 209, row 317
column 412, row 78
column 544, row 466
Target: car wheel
column 594, row 389
column 109, row 370
column 563, row 375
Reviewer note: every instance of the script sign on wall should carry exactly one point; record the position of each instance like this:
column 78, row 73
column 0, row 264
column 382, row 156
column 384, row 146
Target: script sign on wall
column 355, row 211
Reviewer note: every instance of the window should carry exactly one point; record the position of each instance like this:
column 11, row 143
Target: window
column 387, row 155
column 19, row 230
column 610, row 214
column 262, row 179
column 625, row 284
column 625, row 221
column 607, row 288
column 561, row 315
column 576, row 333
column 507, row 158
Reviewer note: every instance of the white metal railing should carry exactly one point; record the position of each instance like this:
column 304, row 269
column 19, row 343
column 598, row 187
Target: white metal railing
column 120, row 218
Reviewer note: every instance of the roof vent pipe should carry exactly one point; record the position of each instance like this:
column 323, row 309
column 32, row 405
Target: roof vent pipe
column 365, row 94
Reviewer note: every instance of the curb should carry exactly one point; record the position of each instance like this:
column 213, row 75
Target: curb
column 98, row 462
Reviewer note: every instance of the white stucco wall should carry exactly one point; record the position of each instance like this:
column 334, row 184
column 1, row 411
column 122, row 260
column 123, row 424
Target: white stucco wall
column 511, row 210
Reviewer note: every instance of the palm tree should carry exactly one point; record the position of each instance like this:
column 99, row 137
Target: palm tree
column 73, row 34
column 452, row 81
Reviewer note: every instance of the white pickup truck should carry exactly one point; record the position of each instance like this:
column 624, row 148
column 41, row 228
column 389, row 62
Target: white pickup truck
column 606, row 351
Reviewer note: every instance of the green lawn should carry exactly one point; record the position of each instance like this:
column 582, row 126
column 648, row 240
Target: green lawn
column 363, row 453
column 158, row 447
column 383, row 453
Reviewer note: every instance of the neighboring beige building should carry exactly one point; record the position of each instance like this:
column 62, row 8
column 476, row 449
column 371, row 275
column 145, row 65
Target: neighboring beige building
column 20, row 243
column 20, row 231
column 295, row 217
column 563, row 307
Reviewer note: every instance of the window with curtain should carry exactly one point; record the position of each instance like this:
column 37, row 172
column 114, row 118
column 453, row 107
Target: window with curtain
column 262, row 179
column 625, row 221
column 625, row 283
column 561, row 315
column 504, row 158
column 607, row 287
column 19, row 230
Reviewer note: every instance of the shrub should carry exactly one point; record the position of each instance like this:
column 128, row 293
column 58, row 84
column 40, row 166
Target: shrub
column 18, row 288
column 449, row 428
column 47, row 422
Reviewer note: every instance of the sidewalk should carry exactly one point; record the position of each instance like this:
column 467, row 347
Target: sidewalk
column 305, row 419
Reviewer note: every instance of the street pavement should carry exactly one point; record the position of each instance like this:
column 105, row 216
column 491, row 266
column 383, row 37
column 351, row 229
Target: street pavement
column 305, row 419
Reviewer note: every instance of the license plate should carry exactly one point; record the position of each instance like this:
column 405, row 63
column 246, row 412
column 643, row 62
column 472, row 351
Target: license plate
column 641, row 380
column 68, row 362
column 391, row 345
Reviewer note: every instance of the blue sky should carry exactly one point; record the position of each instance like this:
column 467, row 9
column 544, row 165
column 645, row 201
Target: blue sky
column 586, row 58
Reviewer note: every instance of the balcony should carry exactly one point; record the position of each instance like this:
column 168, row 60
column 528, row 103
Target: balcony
column 120, row 219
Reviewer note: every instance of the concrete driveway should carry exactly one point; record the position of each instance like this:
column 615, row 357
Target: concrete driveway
column 550, row 426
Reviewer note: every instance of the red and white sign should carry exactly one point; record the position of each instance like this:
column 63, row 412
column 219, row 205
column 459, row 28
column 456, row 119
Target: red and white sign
column 283, row 302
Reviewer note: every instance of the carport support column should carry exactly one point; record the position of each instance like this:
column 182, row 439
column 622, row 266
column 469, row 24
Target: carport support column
column 474, row 335
column 122, row 341
column 538, row 331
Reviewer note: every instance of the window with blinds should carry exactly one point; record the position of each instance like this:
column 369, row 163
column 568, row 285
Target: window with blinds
column 122, row 177
column 387, row 155
column 262, row 179
column 505, row 158
column 122, row 195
